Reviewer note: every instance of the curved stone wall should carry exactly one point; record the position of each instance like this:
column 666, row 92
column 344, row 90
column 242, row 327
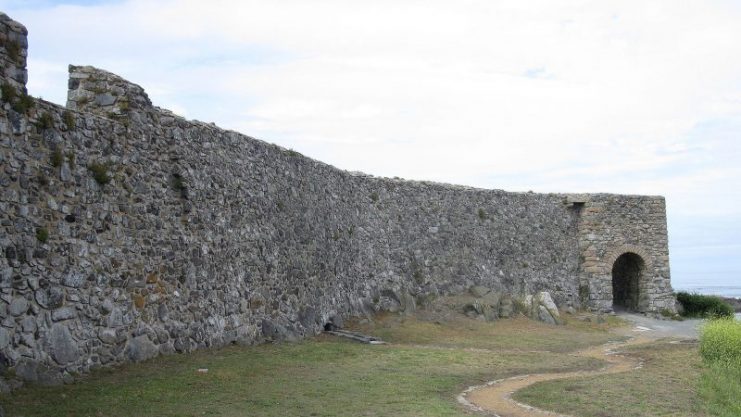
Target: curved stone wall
column 127, row 232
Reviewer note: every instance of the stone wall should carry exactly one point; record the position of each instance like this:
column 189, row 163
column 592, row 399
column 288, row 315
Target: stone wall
column 612, row 225
column 127, row 232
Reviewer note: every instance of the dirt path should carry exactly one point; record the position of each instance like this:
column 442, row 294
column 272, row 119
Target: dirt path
column 495, row 397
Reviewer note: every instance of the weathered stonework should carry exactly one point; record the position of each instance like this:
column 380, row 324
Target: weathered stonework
column 203, row 237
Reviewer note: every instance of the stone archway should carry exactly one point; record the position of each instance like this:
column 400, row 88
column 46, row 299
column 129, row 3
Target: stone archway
column 628, row 272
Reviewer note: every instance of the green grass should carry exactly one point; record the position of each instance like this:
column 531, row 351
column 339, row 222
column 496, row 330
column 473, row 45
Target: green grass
column 511, row 334
column 665, row 386
column 324, row 376
column 703, row 306
column 720, row 341
column 720, row 384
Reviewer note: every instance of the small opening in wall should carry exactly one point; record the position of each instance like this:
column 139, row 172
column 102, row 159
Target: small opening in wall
column 329, row 327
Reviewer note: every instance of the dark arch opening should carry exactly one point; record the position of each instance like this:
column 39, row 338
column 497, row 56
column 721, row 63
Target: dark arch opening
column 627, row 272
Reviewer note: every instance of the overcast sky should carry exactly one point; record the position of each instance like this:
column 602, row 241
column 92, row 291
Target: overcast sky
column 581, row 96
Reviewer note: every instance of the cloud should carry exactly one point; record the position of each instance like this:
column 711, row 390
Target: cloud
column 615, row 96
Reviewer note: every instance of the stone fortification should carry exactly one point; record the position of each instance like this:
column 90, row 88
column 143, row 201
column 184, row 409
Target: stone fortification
column 127, row 231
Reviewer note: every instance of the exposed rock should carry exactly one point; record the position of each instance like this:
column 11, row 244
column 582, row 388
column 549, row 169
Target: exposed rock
column 18, row 306
column 73, row 279
column 545, row 300
column 506, row 307
column 4, row 338
column 479, row 291
column 107, row 335
column 63, row 313
column 140, row 349
column 276, row 332
column 545, row 316
column 62, row 346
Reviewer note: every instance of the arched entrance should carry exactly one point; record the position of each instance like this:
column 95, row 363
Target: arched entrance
column 627, row 273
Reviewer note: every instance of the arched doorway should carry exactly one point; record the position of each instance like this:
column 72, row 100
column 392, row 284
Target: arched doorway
column 627, row 273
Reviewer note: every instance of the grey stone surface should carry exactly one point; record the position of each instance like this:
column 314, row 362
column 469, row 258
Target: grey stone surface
column 62, row 346
column 545, row 316
column 5, row 337
column 63, row 313
column 19, row 305
column 204, row 236
column 141, row 348
column 545, row 300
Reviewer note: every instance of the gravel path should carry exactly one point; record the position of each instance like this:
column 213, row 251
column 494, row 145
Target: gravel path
column 656, row 329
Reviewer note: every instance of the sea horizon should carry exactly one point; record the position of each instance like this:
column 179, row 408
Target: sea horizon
column 731, row 291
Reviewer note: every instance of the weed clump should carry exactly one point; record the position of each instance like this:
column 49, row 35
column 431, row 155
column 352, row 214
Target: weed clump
column 19, row 101
column 56, row 158
column 13, row 49
column 703, row 306
column 100, row 173
column 42, row 234
column 46, row 121
column 482, row 214
column 68, row 119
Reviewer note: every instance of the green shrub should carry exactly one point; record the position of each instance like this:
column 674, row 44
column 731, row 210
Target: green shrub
column 178, row 184
column 705, row 306
column 24, row 103
column 482, row 214
column 56, row 158
column 46, row 121
column 13, row 49
column 69, row 119
column 42, row 234
column 374, row 197
column 100, row 173
column 720, row 341
column 584, row 295
column 9, row 93
column 71, row 159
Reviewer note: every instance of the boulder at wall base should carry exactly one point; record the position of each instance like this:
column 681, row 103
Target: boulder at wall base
column 32, row 371
column 545, row 300
column 506, row 307
column 486, row 307
column 277, row 332
column 63, row 346
column 479, row 291
column 141, row 348
column 545, row 316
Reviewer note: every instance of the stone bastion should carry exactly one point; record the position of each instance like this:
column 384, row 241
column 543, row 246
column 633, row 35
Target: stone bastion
column 127, row 232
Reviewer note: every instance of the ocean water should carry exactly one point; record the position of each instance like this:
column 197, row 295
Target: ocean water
column 733, row 291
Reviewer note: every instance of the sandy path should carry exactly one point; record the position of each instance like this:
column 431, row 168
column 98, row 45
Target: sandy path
column 495, row 397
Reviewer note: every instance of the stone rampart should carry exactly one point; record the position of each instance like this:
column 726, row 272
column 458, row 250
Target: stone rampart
column 127, row 232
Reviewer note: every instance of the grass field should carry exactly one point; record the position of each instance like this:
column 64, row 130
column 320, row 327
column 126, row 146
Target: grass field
column 418, row 374
column 666, row 385
column 720, row 385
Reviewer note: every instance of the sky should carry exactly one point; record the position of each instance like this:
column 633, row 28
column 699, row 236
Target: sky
column 620, row 96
